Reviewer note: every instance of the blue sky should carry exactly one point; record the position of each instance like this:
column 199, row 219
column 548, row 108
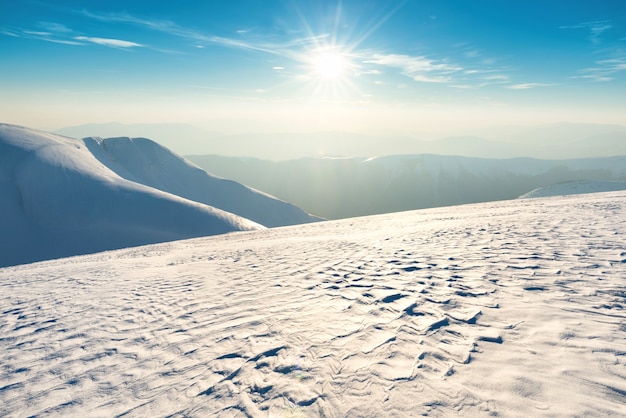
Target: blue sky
column 313, row 65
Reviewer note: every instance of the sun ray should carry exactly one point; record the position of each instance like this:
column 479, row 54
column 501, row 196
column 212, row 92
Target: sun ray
column 328, row 60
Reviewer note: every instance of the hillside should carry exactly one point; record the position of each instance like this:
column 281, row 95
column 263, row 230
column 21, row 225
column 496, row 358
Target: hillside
column 57, row 200
column 509, row 308
column 144, row 161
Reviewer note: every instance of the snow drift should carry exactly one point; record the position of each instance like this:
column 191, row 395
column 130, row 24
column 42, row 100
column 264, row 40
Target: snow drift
column 57, row 199
column 509, row 309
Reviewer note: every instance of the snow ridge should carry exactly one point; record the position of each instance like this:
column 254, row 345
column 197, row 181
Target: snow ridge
column 144, row 161
column 58, row 200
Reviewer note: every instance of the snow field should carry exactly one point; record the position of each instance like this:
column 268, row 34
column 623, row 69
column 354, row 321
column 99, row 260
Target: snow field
column 509, row 308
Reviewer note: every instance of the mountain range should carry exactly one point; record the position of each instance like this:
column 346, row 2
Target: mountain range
column 551, row 141
column 64, row 196
column 346, row 187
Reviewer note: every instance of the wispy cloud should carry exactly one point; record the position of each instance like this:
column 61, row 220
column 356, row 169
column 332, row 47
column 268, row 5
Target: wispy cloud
column 475, row 79
column 419, row 68
column 54, row 27
column 39, row 35
column 497, row 78
column 36, row 33
column 526, row 86
column 469, row 86
column 595, row 28
column 604, row 70
column 173, row 29
column 614, row 64
column 61, row 34
column 113, row 43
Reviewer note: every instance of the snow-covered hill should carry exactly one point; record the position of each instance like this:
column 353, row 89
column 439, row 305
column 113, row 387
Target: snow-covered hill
column 513, row 309
column 576, row 187
column 146, row 162
column 57, row 199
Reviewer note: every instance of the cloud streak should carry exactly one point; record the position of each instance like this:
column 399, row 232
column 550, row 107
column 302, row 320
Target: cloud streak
column 54, row 27
column 596, row 28
column 526, row 86
column 419, row 68
column 113, row 43
column 605, row 70
column 173, row 29
column 61, row 34
column 39, row 35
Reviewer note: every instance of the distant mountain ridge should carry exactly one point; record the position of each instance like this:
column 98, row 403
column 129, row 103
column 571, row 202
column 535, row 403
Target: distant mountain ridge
column 57, row 199
column 553, row 141
column 575, row 187
column 348, row 187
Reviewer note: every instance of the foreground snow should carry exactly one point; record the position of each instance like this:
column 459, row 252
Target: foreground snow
column 512, row 308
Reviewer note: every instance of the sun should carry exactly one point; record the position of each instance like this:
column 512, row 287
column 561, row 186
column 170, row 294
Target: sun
column 329, row 65
column 330, row 72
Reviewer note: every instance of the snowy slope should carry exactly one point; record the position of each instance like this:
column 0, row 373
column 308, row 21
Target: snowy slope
column 576, row 187
column 146, row 162
column 56, row 200
column 512, row 309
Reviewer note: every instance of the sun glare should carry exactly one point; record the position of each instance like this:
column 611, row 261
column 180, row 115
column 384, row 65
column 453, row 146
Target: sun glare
column 329, row 65
column 330, row 72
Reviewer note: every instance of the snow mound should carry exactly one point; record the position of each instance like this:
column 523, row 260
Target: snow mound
column 57, row 199
column 144, row 161
column 575, row 187
column 508, row 309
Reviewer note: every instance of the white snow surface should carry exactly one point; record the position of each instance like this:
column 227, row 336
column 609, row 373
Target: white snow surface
column 576, row 187
column 57, row 199
column 513, row 309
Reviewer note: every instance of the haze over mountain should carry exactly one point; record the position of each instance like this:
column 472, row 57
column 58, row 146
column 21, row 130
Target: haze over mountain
column 346, row 187
column 575, row 187
column 61, row 196
column 553, row 141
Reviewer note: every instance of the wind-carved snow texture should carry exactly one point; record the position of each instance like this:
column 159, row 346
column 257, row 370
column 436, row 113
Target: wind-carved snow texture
column 502, row 309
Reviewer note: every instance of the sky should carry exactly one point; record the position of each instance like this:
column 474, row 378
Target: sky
column 279, row 66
